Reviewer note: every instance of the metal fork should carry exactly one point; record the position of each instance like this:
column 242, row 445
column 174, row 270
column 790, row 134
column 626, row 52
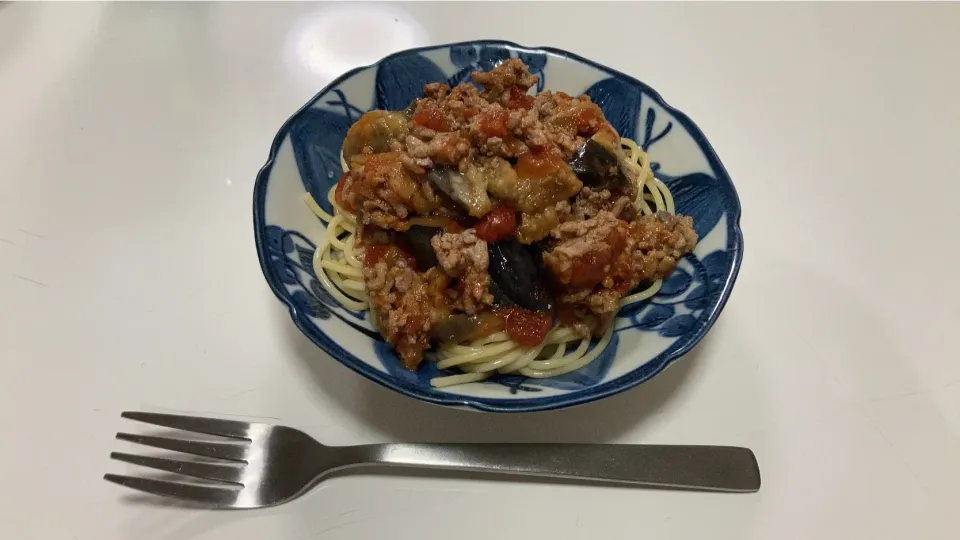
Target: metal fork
column 266, row 465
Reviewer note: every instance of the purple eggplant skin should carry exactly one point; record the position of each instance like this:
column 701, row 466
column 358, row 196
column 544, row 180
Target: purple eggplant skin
column 455, row 328
column 499, row 298
column 469, row 194
column 418, row 238
column 596, row 166
column 515, row 272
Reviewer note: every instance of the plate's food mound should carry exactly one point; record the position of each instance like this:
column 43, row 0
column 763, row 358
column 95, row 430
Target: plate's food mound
column 494, row 230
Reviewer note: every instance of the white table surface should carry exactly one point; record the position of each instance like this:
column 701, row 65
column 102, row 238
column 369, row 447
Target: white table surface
column 129, row 140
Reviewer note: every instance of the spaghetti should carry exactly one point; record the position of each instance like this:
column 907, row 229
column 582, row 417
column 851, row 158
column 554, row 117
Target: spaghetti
column 340, row 272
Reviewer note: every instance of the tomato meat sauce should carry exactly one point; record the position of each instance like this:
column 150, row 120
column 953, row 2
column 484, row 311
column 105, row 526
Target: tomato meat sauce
column 338, row 193
column 539, row 164
column 519, row 99
column 499, row 223
column 488, row 195
column 429, row 115
column 527, row 328
column 493, row 123
column 389, row 254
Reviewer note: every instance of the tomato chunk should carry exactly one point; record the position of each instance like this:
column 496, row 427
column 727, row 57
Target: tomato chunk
column 387, row 253
column 493, row 123
column 429, row 115
column 586, row 118
column 593, row 266
column 539, row 164
column 527, row 328
column 519, row 100
column 499, row 223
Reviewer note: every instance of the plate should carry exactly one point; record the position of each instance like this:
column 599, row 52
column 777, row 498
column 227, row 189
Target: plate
column 648, row 337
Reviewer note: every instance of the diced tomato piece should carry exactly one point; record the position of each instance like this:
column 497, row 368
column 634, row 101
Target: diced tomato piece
column 587, row 119
column 493, row 123
column 519, row 100
column 387, row 253
column 591, row 268
column 499, row 223
column 527, row 328
column 373, row 254
column 430, row 116
column 539, row 164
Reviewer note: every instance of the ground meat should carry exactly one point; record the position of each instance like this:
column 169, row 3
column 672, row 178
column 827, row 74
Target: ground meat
column 504, row 121
column 463, row 103
column 376, row 279
column 407, row 305
column 499, row 80
column 604, row 301
column 450, row 148
column 566, row 121
column 460, row 252
column 423, row 133
column 568, row 143
column 489, row 131
column 416, row 165
column 463, row 255
column 583, row 321
column 601, row 259
column 435, row 90
column 442, row 148
column 491, row 146
column 531, row 129
column 563, row 211
column 452, row 156
column 582, row 257
column 589, row 203
column 386, row 191
column 661, row 240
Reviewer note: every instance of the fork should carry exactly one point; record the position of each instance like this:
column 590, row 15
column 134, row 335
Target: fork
column 265, row 465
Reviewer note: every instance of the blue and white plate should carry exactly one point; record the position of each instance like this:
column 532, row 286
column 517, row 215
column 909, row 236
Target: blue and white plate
column 305, row 157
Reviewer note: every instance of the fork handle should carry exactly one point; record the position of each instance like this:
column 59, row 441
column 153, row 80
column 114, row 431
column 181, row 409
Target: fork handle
column 708, row 468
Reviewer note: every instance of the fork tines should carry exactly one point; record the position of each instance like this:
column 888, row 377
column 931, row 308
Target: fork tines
column 208, row 426
column 228, row 473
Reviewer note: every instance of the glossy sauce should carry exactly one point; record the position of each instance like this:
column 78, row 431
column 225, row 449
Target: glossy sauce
column 527, row 328
column 499, row 223
column 493, row 123
column 387, row 253
column 430, row 116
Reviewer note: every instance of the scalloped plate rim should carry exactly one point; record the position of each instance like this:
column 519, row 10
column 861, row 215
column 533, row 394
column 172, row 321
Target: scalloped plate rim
column 578, row 397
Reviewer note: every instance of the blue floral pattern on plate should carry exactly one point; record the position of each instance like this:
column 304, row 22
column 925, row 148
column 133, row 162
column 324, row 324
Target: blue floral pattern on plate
column 305, row 156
